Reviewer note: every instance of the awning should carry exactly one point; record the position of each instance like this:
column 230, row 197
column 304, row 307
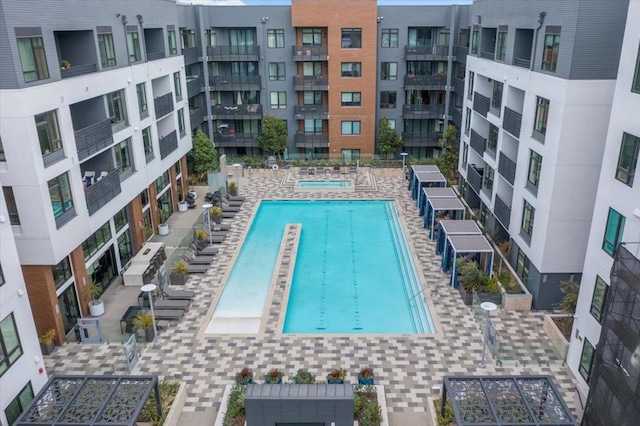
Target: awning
column 454, row 227
column 456, row 245
column 420, row 168
column 434, row 205
column 426, row 179
column 436, row 192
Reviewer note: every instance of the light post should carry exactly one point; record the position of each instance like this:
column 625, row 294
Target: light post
column 149, row 289
column 488, row 307
column 206, row 220
column 404, row 156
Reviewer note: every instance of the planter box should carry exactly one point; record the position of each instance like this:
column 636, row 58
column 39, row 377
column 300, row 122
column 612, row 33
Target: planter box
column 553, row 332
column 467, row 298
column 517, row 302
column 365, row 381
column 179, row 279
column 491, row 297
column 173, row 415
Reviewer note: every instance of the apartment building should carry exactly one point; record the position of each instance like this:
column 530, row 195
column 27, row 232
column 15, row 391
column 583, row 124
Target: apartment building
column 93, row 125
column 22, row 370
column 329, row 73
column 616, row 220
column 539, row 88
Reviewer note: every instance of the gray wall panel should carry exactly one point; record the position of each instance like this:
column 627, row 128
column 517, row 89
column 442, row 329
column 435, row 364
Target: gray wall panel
column 8, row 67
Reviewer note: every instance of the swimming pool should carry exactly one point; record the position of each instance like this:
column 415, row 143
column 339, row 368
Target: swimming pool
column 324, row 184
column 353, row 271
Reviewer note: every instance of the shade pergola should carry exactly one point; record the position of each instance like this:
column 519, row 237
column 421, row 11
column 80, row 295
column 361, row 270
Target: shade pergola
column 454, row 227
column 457, row 245
column 91, row 400
column 502, row 400
column 436, row 192
column 420, row 168
column 427, row 180
column 439, row 205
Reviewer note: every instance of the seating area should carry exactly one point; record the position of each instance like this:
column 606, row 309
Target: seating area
column 89, row 177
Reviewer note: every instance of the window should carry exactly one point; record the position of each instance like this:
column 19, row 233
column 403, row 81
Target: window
column 312, row 68
column 120, row 219
column 389, row 37
column 178, row 85
column 161, row 182
column 351, row 69
column 107, row 50
column 141, row 91
column 181, row 126
column 465, row 154
column 389, row 71
column 628, row 158
column 550, row 52
column 275, row 38
column 492, row 140
column 522, row 266
column 60, row 194
column 12, row 207
column 146, row 142
column 474, row 42
column 501, row 46
column 10, row 347
column 351, row 38
column 533, row 177
column 133, row 46
column 613, row 231
column 242, row 40
column 312, row 126
column 311, row 36
column 351, row 98
column 19, row 403
column 488, row 180
column 211, row 37
column 586, row 360
column 635, row 87
column 61, row 272
column 173, row 44
column 125, row 248
column 144, row 197
column 116, row 108
column 542, row 112
column 496, row 98
column 123, row 156
column 33, row 59
column 528, row 216
column 467, row 124
column 392, row 123
column 470, row 87
column 350, row 128
column 48, row 134
column 187, row 38
column 599, row 299
column 387, row 100
column 278, row 100
column 276, row 71
column 310, row 97
column 96, row 241
column 463, row 39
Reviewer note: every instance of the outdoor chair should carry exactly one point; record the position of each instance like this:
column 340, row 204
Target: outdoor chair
column 197, row 269
column 168, row 314
column 172, row 304
column 192, row 259
column 203, row 249
column 171, row 294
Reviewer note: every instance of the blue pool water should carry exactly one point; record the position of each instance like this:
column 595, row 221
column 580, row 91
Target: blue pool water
column 324, row 184
column 353, row 272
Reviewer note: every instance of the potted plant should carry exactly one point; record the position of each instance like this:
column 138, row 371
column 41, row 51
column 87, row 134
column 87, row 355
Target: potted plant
column 303, row 377
column 202, row 235
column 470, row 278
column 244, row 377
column 96, row 305
column 145, row 322
column 148, row 231
column 163, row 229
column 273, row 377
column 233, row 188
column 47, row 341
column 182, row 204
column 64, row 64
column 179, row 273
column 336, row 376
column 365, row 376
column 215, row 214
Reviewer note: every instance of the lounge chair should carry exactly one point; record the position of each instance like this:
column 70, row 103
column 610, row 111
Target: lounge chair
column 198, row 269
column 171, row 294
column 229, row 208
column 168, row 314
column 228, row 214
column 193, row 259
column 171, row 304
column 236, row 197
column 214, row 239
column 220, row 226
column 203, row 249
column 303, row 170
column 353, row 169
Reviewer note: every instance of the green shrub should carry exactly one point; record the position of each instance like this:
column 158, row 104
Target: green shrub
column 303, row 377
column 235, row 406
column 448, row 417
column 149, row 413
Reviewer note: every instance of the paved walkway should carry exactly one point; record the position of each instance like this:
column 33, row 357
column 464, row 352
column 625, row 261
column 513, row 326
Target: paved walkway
column 408, row 365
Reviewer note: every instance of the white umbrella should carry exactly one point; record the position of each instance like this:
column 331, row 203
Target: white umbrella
column 239, row 99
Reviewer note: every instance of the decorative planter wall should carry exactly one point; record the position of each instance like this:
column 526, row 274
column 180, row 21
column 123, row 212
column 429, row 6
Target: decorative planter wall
column 557, row 338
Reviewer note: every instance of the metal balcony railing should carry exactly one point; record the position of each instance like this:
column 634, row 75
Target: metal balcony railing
column 425, row 52
column 196, row 117
column 190, row 55
column 76, row 70
column 520, row 62
column 502, row 212
column 437, row 82
column 477, row 142
column 512, row 122
column 233, row 53
column 163, row 105
column 154, row 56
column 247, row 140
column 310, row 53
column 481, row 104
column 102, row 191
column 474, row 177
column 487, row 55
column 93, row 138
column 194, row 86
column 168, row 144
column 235, row 82
column 311, row 82
column 311, row 111
column 237, row 112
column 425, row 139
column 305, row 140
column 423, row 111
column 458, row 86
column 507, row 168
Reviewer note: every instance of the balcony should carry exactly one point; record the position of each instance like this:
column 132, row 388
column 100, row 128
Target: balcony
column 460, row 53
column 102, row 191
column 425, row 82
column 507, row 168
column 422, row 111
column 456, row 116
column 524, row 63
column 237, row 140
column 168, row 144
column 488, row 55
column 76, row 70
column 311, row 82
column 234, row 82
column 191, row 55
column 305, row 140
column 426, row 53
column 194, row 86
column 477, row 142
column 502, row 212
column 233, row 53
column 237, row 112
column 310, row 53
column 154, row 43
column 474, row 177
column 481, row 104
column 93, row 138
column 77, row 53
column 522, row 47
column 196, row 116
column 427, row 139
column 458, row 85
column 311, row 111
column 163, row 105
column 512, row 122
column 155, row 56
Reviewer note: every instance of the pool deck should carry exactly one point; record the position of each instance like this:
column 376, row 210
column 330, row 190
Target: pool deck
column 409, row 366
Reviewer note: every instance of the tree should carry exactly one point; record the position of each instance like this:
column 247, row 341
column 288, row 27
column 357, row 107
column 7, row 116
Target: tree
column 448, row 160
column 203, row 157
column 388, row 140
column 274, row 135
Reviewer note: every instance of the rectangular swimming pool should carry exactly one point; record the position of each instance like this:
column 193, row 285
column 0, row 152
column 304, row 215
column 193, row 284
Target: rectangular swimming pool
column 324, row 184
column 353, row 272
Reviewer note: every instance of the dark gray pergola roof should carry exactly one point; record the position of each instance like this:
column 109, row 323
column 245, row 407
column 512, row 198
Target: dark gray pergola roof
column 463, row 227
column 425, row 168
column 297, row 392
column 502, row 400
column 91, row 400
column 430, row 177
column 446, row 204
column 447, row 192
column 469, row 244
